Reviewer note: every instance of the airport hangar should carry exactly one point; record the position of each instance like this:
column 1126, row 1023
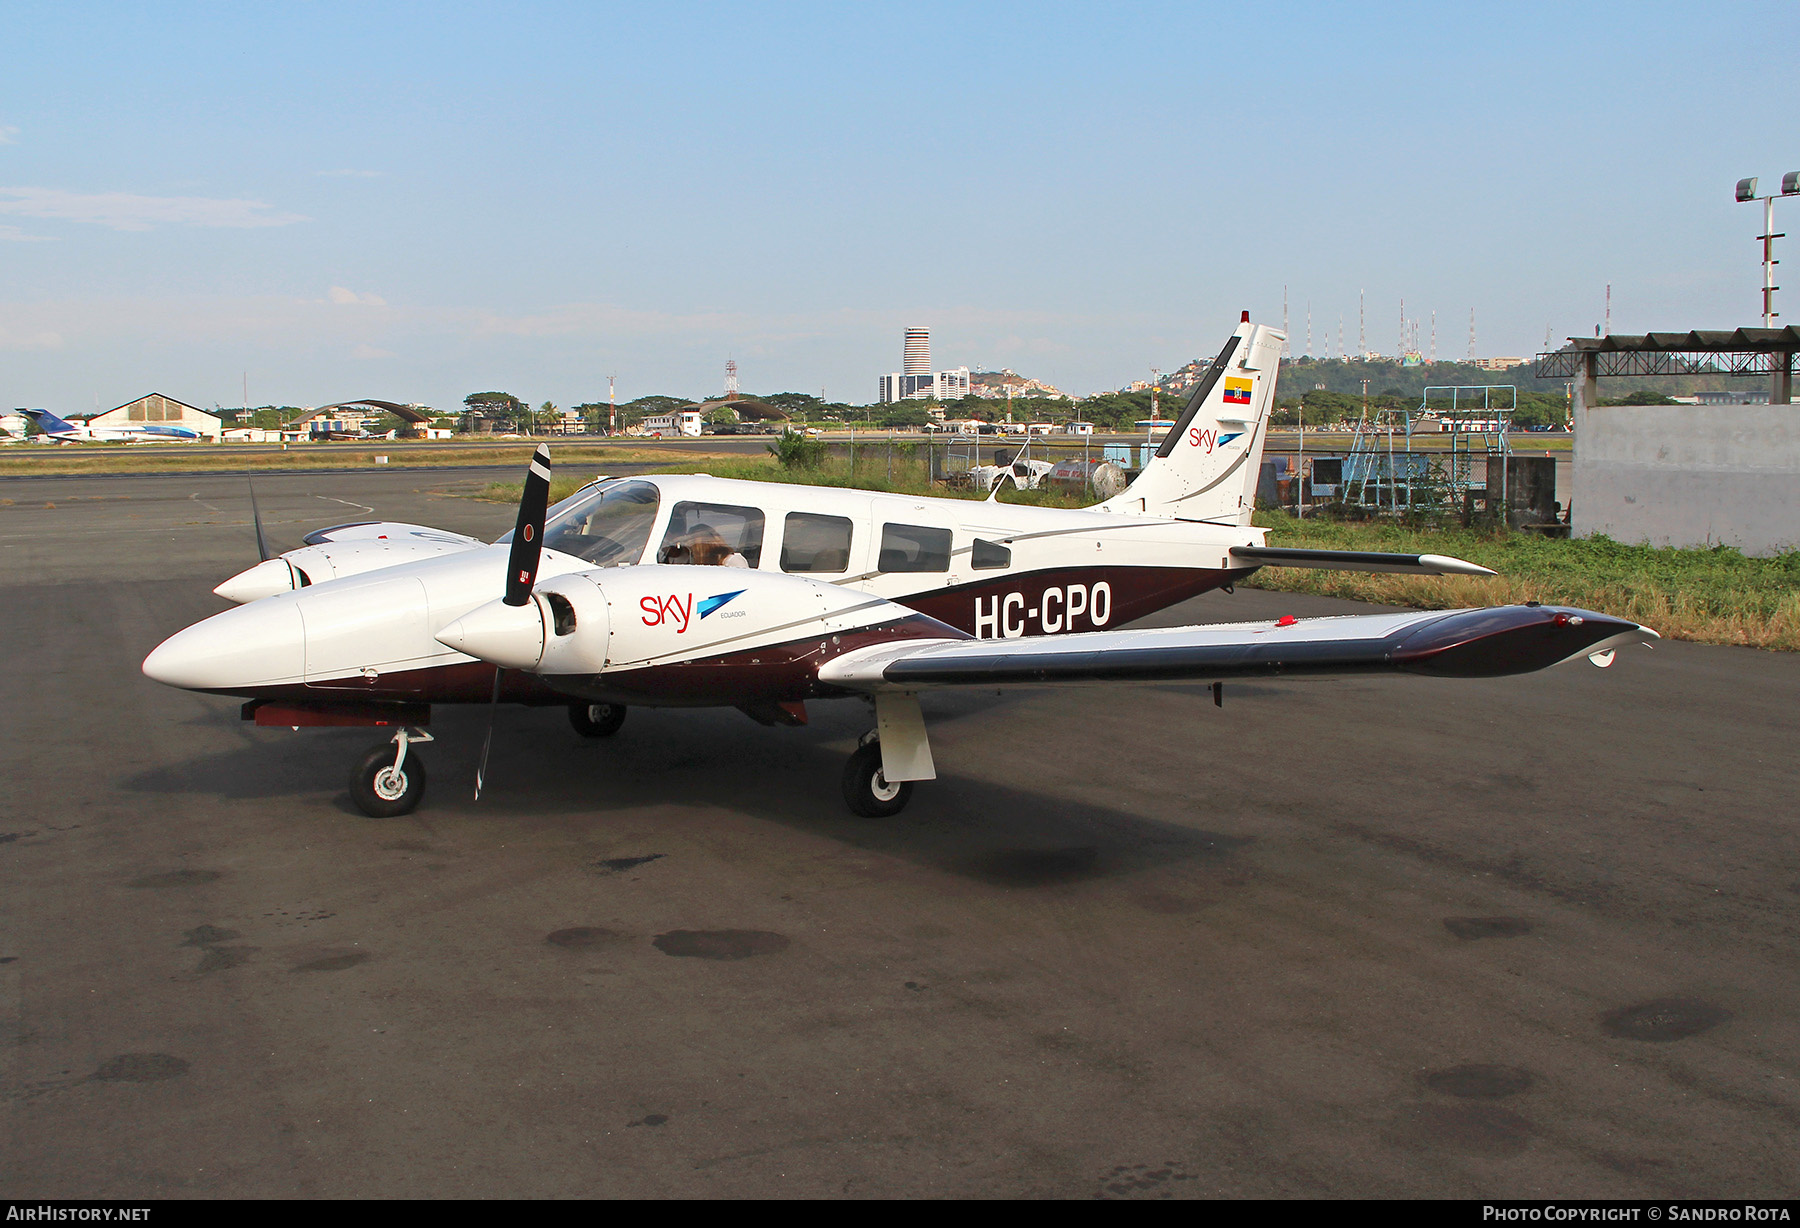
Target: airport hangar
column 155, row 409
column 1685, row 475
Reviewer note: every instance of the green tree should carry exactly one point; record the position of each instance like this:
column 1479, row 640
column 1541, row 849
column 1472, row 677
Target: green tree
column 905, row 414
column 796, row 451
column 503, row 406
column 793, row 402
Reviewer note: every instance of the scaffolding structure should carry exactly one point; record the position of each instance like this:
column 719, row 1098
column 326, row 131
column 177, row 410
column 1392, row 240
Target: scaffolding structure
column 1382, row 477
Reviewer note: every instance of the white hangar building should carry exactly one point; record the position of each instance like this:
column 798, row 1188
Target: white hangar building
column 159, row 410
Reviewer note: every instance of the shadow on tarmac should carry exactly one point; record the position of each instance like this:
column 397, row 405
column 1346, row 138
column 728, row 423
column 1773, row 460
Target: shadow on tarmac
column 1002, row 834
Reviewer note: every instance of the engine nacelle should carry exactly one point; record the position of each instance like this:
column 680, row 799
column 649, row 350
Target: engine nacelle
column 333, row 554
column 590, row 622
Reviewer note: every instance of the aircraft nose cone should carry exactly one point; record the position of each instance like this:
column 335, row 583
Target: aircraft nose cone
column 267, row 578
column 177, row 661
column 510, row 636
column 256, row 645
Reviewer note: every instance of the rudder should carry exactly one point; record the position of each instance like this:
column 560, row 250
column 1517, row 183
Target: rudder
column 1206, row 467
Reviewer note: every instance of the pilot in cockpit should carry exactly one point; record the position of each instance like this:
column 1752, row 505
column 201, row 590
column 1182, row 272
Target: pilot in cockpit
column 702, row 546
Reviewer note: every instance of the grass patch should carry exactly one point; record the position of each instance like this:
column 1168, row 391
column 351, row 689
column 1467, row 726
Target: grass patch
column 1715, row 596
column 46, row 461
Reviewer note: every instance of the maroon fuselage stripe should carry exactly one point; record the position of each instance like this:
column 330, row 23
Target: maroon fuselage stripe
column 1008, row 605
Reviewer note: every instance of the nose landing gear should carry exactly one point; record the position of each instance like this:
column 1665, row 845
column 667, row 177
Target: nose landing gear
column 389, row 781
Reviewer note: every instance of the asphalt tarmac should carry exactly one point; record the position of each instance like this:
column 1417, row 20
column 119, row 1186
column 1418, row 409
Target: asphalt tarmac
column 1396, row 937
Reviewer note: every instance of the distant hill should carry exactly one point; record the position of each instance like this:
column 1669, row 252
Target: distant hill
column 1389, row 377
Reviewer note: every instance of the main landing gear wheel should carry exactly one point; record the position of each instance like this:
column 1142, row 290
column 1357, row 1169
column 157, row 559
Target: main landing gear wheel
column 387, row 782
column 867, row 791
column 596, row 720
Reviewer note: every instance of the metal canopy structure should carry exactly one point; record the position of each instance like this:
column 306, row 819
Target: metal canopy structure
column 417, row 415
column 1738, row 351
column 748, row 408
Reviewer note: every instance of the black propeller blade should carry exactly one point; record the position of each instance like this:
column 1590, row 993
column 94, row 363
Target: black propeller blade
column 262, row 543
column 527, row 542
column 487, row 740
column 521, row 573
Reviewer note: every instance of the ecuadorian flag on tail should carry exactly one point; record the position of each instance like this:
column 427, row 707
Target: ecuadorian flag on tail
column 1237, row 391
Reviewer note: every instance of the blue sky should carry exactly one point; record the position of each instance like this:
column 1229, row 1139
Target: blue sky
column 415, row 202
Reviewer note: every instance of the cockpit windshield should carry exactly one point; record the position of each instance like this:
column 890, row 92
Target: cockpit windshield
column 607, row 525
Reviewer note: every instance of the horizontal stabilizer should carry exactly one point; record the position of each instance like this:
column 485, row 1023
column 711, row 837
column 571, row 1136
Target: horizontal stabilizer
column 1359, row 560
column 1483, row 643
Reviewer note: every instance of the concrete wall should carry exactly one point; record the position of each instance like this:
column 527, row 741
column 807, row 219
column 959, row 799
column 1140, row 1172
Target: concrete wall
column 1689, row 475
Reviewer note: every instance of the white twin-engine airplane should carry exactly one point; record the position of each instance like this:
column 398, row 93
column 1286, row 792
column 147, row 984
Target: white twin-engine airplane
column 699, row 591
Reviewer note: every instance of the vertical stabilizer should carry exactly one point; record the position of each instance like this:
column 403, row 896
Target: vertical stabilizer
column 1207, row 465
column 48, row 422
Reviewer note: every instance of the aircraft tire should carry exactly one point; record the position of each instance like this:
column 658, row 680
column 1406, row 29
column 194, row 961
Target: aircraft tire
column 379, row 791
column 867, row 791
column 596, row 720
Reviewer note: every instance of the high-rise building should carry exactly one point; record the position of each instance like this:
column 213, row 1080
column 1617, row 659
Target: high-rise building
column 916, row 359
column 948, row 385
column 916, row 381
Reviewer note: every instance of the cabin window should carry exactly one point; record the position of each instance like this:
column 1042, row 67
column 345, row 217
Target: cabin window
column 608, row 526
column 912, row 547
column 713, row 535
column 815, row 543
column 985, row 556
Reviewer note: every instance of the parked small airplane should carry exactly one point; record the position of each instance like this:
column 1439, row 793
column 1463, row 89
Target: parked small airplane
column 1021, row 470
column 68, row 432
column 699, row 591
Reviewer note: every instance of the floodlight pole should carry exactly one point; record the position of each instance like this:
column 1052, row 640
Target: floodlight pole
column 1746, row 191
column 1768, row 242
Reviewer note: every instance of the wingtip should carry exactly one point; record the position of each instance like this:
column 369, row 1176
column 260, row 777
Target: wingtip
column 1454, row 566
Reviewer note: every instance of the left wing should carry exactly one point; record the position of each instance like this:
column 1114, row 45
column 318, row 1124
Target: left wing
column 1483, row 643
